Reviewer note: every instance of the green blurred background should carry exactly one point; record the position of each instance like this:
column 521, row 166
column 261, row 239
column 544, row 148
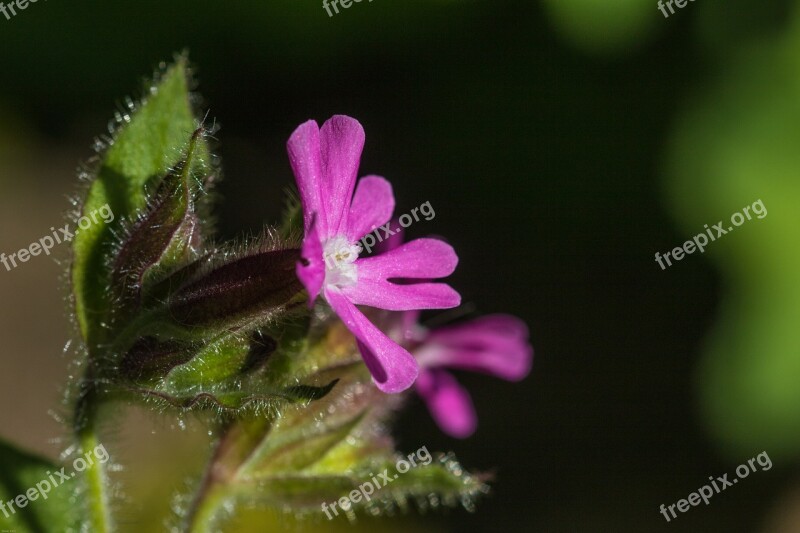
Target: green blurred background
column 562, row 143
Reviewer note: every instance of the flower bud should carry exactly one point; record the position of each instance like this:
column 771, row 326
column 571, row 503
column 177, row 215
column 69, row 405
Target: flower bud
column 149, row 357
column 162, row 236
column 252, row 287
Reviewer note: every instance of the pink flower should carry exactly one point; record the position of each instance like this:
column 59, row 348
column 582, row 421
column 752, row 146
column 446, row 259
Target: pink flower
column 495, row 344
column 336, row 215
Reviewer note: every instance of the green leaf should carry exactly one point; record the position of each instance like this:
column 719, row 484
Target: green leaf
column 145, row 147
column 235, row 396
column 291, row 451
column 55, row 508
column 443, row 482
column 230, row 398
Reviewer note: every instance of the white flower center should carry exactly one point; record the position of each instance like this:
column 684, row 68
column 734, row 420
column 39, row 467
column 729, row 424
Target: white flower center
column 340, row 256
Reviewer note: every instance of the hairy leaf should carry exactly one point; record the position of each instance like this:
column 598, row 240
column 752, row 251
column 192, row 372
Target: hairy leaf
column 28, row 500
column 235, row 396
column 443, row 482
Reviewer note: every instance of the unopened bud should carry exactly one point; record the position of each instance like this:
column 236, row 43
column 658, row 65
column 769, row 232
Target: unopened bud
column 250, row 287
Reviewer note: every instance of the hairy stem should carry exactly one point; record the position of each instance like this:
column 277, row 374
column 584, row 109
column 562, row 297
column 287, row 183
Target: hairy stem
column 95, row 475
column 235, row 446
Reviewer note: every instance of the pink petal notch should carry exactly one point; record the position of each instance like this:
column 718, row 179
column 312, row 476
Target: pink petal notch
column 420, row 259
column 341, row 144
column 402, row 297
column 496, row 345
column 417, row 259
column 393, row 240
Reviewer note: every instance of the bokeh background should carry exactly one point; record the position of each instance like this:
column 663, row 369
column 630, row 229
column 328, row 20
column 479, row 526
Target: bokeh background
column 561, row 142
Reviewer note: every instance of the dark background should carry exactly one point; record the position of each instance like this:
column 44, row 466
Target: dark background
column 544, row 160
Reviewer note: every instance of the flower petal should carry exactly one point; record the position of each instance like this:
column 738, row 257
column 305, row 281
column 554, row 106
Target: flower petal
column 393, row 369
column 304, row 156
column 373, row 205
column 417, row 259
column 311, row 267
column 496, row 345
column 395, row 297
column 341, row 143
column 498, row 326
column 448, row 402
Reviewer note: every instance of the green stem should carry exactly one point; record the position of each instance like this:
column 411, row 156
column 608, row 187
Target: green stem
column 204, row 511
column 99, row 516
column 95, row 475
column 234, row 448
